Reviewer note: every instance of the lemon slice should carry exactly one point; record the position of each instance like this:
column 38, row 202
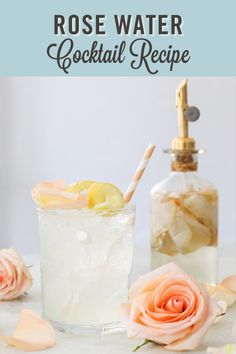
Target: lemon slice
column 79, row 187
column 105, row 196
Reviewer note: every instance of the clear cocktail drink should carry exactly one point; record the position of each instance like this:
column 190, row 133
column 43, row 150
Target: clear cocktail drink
column 86, row 259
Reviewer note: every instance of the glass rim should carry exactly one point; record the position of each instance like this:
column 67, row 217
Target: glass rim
column 87, row 211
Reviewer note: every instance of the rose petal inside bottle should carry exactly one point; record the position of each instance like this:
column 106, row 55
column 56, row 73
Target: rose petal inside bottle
column 185, row 223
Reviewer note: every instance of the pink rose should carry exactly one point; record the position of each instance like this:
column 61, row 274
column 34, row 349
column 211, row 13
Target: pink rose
column 15, row 278
column 168, row 307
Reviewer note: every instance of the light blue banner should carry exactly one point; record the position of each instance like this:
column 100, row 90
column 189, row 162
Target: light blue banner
column 206, row 46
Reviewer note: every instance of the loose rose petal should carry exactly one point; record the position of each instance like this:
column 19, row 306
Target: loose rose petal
column 230, row 283
column 225, row 291
column 227, row 349
column 221, row 293
column 31, row 333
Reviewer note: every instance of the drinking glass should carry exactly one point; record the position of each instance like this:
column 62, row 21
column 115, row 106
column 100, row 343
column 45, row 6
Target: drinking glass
column 86, row 259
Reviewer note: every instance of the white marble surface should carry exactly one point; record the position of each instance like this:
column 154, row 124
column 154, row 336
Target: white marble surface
column 219, row 334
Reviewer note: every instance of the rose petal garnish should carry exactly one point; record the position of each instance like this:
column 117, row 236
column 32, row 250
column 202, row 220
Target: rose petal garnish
column 62, row 200
column 15, row 278
column 53, row 195
column 47, row 186
column 31, row 333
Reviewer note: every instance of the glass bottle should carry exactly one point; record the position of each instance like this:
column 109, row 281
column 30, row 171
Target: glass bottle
column 184, row 209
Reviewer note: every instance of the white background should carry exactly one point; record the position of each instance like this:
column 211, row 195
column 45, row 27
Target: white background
column 98, row 128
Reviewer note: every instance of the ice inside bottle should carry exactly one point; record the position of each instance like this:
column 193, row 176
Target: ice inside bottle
column 184, row 206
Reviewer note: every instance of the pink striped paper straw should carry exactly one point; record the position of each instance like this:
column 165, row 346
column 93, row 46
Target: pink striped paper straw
column 139, row 172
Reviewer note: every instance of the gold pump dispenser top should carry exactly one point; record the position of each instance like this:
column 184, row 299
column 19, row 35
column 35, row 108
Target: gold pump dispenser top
column 183, row 147
column 185, row 114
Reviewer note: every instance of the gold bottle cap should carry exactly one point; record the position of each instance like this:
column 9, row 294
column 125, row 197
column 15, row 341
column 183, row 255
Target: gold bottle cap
column 185, row 114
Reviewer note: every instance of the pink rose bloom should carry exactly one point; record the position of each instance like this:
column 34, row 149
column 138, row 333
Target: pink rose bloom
column 168, row 307
column 15, row 278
